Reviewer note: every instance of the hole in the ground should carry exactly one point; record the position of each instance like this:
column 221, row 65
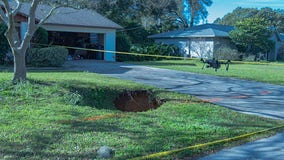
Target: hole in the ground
column 137, row 101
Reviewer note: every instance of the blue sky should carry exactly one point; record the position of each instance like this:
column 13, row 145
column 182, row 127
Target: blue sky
column 221, row 7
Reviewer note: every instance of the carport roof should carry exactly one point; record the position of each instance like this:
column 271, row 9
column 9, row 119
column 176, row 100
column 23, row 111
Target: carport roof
column 67, row 16
column 205, row 30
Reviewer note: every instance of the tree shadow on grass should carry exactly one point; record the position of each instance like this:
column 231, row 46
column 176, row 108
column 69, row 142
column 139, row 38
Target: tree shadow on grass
column 86, row 94
column 99, row 98
column 38, row 145
column 162, row 63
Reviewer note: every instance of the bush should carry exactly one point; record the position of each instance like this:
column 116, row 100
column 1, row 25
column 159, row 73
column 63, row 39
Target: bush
column 40, row 37
column 47, row 57
column 226, row 53
column 154, row 49
column 123, row 44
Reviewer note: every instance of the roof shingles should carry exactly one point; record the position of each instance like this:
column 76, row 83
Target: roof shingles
column 205, row 30
column 71, row 17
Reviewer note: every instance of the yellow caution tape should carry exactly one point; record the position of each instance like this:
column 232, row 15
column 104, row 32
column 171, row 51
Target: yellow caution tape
column 160, row 56
column 119, row 52
column 166, row 153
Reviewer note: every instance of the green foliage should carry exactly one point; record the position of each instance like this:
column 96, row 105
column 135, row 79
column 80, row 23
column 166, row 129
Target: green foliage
column 153, row 49
column 140, row 18
column 40, row 37
column 252, row 35
column 128, row 11
column 238, row 14
column 47, row 57
column 137, row 34
column 274, row 17
column 4, row 45
column 123, row 42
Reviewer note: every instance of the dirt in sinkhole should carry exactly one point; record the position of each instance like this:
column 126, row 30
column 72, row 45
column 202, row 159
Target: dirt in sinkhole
column 137, row 101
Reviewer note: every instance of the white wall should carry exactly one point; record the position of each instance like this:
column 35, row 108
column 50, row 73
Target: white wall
column 197, row 47
column 201, row 49
column 183, row 44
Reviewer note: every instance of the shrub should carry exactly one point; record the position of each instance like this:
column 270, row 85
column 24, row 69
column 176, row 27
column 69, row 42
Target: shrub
column 40, row 37
column 47, row 57
column 227, row 53
column 123, row 44
column 153, row 49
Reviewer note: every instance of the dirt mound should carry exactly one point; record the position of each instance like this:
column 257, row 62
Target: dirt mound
column 136, row 101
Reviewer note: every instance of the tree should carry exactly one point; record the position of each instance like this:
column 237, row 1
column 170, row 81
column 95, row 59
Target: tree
column 157, row 11
column 252, row 35
column 237, row 15
column 197, row 10
column 19, row 46
column 140, row 18
column 274, row 17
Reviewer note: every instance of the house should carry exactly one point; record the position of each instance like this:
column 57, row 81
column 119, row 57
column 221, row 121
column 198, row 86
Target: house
column 75, row 28
column 203, row 41
column 277, row 51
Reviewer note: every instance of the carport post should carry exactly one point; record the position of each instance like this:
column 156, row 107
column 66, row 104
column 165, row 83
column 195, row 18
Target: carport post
column 110, row 46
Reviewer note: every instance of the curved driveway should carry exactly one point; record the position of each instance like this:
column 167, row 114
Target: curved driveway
column 241, row 95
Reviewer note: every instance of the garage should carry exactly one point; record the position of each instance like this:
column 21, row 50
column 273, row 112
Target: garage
column 76, row 28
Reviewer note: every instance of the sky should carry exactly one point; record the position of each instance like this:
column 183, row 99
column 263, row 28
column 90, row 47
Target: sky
column 219, row 8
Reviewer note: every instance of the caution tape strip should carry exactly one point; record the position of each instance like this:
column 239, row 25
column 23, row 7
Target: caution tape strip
column 167, row 153
column 158, row 56
column 119, row 52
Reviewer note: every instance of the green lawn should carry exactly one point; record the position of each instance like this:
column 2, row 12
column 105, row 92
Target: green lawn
column 262, row 72
column 69, row 115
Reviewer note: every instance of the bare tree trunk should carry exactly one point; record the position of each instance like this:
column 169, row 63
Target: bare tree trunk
column 18, row 46
column 20, row 70
column 192, row 4
column 191, row 21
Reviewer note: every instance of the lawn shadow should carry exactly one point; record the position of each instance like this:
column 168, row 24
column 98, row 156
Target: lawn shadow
column 101, row 97
column 162, row 63
column 39, row 145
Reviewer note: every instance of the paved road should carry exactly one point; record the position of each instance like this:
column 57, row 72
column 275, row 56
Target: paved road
column 244, row 96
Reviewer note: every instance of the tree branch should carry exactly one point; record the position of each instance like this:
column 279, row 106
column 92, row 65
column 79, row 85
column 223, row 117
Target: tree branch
column 47, row 16
column 7, row 10
column 3, row 16
column 16, row 10
column 11, row 33
column 6, row 5
column 31, row 25
column 181, row 20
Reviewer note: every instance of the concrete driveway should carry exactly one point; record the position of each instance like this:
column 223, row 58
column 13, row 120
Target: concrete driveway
column 244, row 96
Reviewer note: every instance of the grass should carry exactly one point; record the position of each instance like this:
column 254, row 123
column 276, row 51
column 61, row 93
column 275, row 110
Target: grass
column 69, row 115
column 263, row 72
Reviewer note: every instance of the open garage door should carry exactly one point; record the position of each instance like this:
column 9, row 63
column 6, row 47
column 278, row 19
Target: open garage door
column 80, row 40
